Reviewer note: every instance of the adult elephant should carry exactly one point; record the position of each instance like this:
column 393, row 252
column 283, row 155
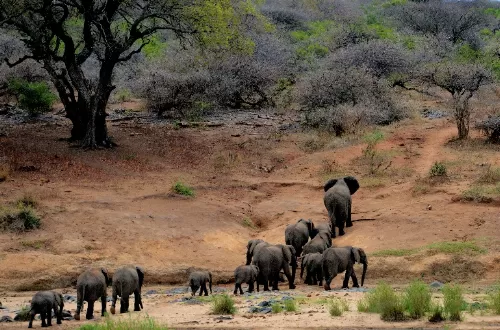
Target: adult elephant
column 338, row 260
column 90, row 286
column 320, row 242
column 251, row 245
column 298, row 234
column 270, row 260
column 127, row 280
column 338, row 201
column 313, row 266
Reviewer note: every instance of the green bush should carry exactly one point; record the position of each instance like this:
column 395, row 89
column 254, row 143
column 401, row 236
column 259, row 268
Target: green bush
column 437, row 313
column 385, row 301
column 223, row 305
column 494, row 300
column 438, row 169
column 19, row 219
column 417, row 299
column 453, row 302
column 182, row 189
column 27, row 201
column 290, row 305
column 276, row 308
column 129, row 324
column 34, row 97
column 337, row 306
column 23, row 314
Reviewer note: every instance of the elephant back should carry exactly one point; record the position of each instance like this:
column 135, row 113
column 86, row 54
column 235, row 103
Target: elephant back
column 92, row 283
column 126, row 279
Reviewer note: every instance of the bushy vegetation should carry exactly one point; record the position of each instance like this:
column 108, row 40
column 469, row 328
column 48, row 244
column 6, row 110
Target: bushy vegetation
column 223, row 305
column 146, row 323
column 290, row 305
column 417, row 299
column 34, row 97
column 337, row 306
column 437, row 169
column 19, row 218
column 276, row 308
column 494, row 300
column 453, row 302
column 384, row 301
column 182, row 189
column 23, row 314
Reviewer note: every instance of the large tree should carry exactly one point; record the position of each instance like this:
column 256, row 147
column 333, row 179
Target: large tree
column 62, row 35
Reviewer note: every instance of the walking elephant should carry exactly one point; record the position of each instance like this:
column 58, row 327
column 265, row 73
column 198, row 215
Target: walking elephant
column 298, row 234
column 199, row 280
column 245, row 274
column 90, row 286
column 313, row 266
column 319, row 243
column 338, row 260
column 270, row 260
column 338, row 202
column 251, row 249
column 43, row 303
column 127, row 280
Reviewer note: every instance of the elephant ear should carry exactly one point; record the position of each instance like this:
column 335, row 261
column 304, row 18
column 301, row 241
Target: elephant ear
column 104, row 272
column 290, row 255
column 140, row 272
column 355, row 255
column 255, row 268
column 352, row 184
column 59, row 299
column 329, row 184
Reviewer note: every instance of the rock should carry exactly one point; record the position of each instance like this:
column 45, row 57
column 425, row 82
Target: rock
column 5, row 319
column 175, row 291
column 152, row 292
column 109, row 299
column 69, row 298
column 286, row 298
column 266, row 310
column 436, row 284
column 429, row 207
column 223, row 317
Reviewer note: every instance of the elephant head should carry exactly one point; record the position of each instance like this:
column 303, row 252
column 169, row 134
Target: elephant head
column 140, row 273
column 350, row 181
column 310, row 227
column 104, row 272
column 358, row 255
column 250, row 248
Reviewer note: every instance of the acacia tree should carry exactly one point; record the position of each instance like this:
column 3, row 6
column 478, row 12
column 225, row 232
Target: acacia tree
column 63, row 34
column 461, row 81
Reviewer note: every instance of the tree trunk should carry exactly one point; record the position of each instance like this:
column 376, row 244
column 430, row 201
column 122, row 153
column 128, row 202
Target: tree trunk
column 462, row 113
column 96, row 132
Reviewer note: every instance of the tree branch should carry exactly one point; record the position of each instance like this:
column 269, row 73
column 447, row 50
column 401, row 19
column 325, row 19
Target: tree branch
column 19, row 61
column 132, row 53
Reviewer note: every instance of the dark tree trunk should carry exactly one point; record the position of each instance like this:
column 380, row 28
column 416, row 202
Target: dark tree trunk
column 462, row 113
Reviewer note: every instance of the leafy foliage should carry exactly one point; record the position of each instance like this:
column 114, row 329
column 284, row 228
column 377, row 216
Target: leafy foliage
column 146, row 323
column 223, row 305
column 182, row 189
column 453, row 301
column 437, row 169
column 34, row 97
column 417, row 299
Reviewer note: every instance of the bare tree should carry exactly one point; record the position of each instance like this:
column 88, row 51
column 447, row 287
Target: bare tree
column 462, row 81
column 63, row 35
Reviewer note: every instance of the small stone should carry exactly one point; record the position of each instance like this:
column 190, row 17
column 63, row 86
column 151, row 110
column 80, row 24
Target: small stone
column 429, row 207
column 5, row 319
column 309, row 295
column 436, row 284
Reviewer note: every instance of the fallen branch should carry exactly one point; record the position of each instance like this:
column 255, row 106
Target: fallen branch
column 364, row 219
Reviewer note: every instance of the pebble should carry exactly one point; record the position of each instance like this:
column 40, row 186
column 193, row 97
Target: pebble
column 436, row 284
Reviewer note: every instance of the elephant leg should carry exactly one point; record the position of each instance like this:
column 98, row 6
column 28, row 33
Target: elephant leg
column 43, row 316
column 137, row 300
column 90, row 310
column 32, row 317
column 354, row 280
column 103, row 305
column 58, row 312
column 250, row 287
column 204, row 289
column 235, row 292
column 341, row 216
column 265, row 280
column 331, row 217
column 114, row 296
column 349, row 220
column 345, row 284
column 289, row 277
column 79, row 303
column 124, row 303
column 49, row 317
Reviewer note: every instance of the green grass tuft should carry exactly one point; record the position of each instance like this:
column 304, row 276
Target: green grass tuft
column 19, row 219
column 469, row 248
column 146, row 323
column 276, row 308
column 337, row 306
column 223, row 305
column 290, row 305
column 395, row 252
column 453, row 302
column 24, row 313
column 438, row 169
column 27, row 201
column 477, row 194
column 182, row 189
column 437, row 313
column 494, row 300
column 417, row 299
column 385, row 301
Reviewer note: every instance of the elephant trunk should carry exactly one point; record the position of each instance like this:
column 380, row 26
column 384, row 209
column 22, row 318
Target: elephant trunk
column 365, row 266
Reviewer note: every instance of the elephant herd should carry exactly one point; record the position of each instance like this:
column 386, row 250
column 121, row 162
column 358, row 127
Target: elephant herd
column 264, row 263
column 91, row 286
column 312, row 244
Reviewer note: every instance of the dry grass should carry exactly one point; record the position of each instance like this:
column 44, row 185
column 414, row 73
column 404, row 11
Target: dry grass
column 4, row 172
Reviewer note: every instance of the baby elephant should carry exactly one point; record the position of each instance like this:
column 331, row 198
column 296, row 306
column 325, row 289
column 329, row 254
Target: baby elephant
column 245, row 274
column 127, row 280
column 43, row 303
column 198, row 280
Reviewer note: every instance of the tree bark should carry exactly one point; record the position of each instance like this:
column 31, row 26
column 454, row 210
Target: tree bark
column 462, row 113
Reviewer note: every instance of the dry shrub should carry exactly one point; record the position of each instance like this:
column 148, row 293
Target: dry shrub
column 4, row 172
column 457, row 269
